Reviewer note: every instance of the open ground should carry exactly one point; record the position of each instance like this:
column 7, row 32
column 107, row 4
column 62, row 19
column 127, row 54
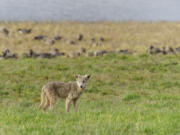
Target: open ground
column 126, row 95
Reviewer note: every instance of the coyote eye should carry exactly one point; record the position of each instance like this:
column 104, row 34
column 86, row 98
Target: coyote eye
column 83, row 81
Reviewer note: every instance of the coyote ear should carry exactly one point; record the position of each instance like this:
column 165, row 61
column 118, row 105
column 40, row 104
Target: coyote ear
column 88, row 76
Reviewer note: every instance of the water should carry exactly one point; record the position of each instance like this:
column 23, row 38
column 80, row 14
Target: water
column 90, row 10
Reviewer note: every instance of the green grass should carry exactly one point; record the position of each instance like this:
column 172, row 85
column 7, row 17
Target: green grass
column 127, row 95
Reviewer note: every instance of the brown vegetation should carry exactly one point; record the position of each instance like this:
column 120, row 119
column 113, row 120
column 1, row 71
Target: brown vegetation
column 70, row 37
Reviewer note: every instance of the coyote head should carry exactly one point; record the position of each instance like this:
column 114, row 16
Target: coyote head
column 82, row 80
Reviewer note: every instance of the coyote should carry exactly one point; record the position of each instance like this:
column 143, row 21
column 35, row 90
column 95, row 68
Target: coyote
column 71, row 91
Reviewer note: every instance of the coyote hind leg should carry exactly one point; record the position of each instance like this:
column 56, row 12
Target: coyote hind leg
column 52, row 102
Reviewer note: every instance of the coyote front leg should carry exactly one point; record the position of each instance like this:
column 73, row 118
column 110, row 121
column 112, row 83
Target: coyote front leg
column 75, row 104
column 68, row 101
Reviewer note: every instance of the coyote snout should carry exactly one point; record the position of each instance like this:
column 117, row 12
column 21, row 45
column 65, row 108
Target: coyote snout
column 70, row 91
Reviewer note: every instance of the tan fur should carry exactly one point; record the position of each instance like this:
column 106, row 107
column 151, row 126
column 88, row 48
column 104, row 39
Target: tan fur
column 70, row 91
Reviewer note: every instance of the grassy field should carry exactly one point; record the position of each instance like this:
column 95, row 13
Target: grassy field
column 136, row 36
column 127, row 95
column 134, row 94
